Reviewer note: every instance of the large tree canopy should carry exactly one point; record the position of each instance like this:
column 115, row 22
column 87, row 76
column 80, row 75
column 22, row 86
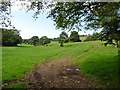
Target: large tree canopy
column 89, row 15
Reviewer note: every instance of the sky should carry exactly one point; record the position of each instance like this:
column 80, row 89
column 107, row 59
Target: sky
column 29, row 27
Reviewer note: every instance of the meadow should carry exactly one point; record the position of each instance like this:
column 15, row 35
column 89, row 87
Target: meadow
column 96, row 62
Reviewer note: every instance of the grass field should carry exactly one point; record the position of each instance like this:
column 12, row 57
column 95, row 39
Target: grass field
column 96, row 61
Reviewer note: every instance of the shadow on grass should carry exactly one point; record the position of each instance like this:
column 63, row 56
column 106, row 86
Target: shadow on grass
column 105, row 70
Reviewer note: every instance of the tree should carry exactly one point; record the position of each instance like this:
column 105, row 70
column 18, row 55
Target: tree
column 74, row 37
column 93, row 37
column 44, row 40
column 10, row 37
column 5, row 13
column 35, row 40
column 56, row 39
column 26, row 41
column 105, row 15
column 63, row 38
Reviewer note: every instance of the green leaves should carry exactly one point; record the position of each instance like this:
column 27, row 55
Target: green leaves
column 74, row 37
column 63, row 38
column 95, row 15
column 44, row 40
column 10, row 37
column 35, row 40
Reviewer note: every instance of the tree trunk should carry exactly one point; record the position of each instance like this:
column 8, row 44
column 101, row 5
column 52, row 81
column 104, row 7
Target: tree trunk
column 61, row 44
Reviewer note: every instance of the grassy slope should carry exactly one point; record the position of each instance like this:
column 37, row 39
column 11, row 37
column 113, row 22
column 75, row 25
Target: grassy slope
column 100, row 64
column 98, row 61
column 19, row 60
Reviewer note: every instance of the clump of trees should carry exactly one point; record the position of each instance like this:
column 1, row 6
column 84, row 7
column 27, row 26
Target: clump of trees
column 44, row 40
column 74, row 37
column 26, row 41
column 93, row 37
column 35, row 40
column 56, row 39
column 10, row 37
column 112, row 39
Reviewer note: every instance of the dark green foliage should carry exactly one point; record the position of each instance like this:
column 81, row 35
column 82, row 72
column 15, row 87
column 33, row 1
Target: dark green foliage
column 26, row 41
column 55, row 39
column 10, row 37
column 34, row 40
column 63, row 38
column 89, row 38
column 105, row 15
column 44, row 40
column 111, row 37
column 74, row 37
column 67, row 14
column 93, row 37
column 66, row 40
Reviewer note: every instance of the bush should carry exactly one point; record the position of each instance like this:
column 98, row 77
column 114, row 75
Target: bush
column 74, row 37
column 10, row 37
column 44, row 40
column 95, row 36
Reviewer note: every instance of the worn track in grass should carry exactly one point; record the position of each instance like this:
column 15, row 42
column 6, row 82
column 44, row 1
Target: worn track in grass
column 57, row 74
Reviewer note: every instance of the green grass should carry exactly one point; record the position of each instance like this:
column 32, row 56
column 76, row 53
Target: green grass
column 17, row 61
column 98, row 62
column 19, row 85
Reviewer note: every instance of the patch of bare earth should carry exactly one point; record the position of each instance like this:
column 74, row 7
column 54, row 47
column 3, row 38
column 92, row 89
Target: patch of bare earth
column 56, row 74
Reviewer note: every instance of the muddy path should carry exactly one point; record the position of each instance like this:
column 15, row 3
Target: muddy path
column 56, row 74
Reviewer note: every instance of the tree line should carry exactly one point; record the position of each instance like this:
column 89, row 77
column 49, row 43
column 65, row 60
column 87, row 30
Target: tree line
column 11, row 37
column 44, row 40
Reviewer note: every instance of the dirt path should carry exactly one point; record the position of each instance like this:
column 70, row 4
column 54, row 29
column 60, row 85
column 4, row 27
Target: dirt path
column 56, row 74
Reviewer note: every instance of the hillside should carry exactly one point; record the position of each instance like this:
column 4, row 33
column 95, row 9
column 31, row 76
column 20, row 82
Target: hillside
column 95, row 61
